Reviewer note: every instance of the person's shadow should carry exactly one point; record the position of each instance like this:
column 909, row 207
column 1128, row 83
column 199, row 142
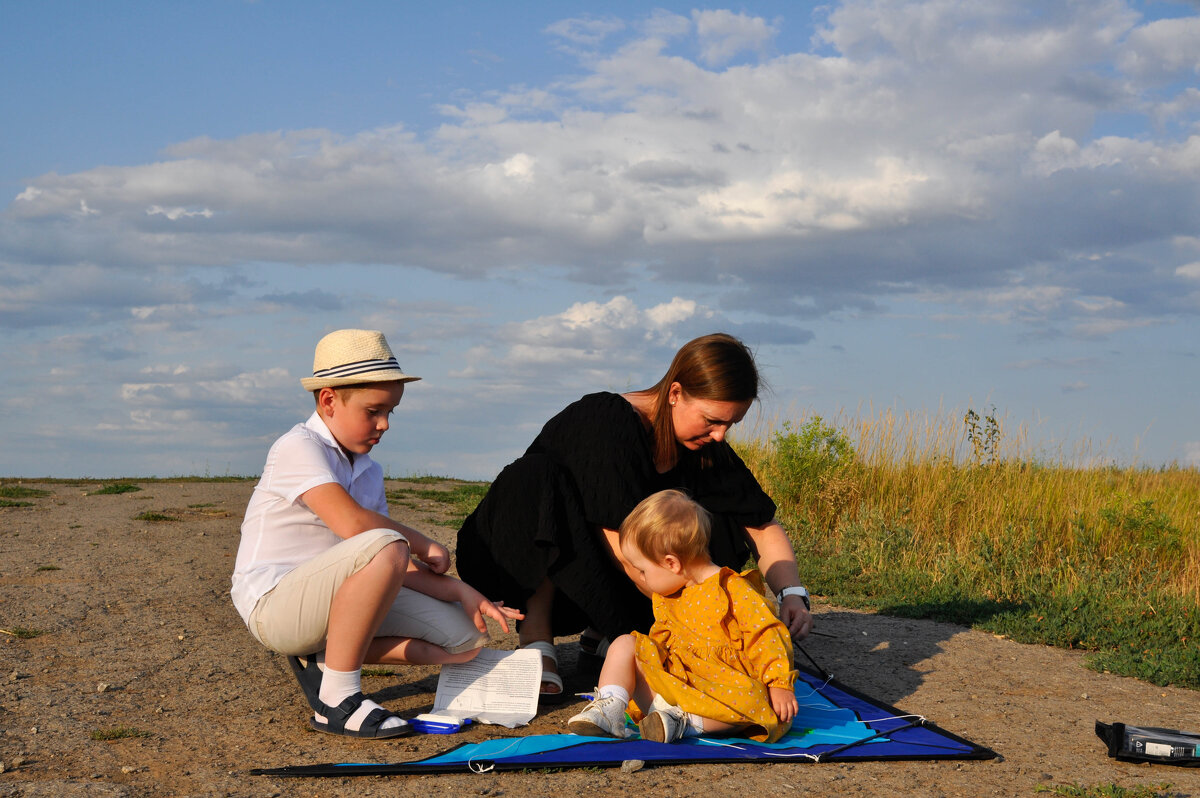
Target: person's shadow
column 880, row 655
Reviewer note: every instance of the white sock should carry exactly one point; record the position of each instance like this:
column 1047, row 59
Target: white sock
column 695, row 725
column 337, row 686
column 616, row 691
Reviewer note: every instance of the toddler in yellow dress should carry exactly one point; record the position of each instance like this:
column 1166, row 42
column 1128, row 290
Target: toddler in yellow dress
column 716, row 661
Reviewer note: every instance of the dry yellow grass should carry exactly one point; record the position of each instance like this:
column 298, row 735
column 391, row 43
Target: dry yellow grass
column 921, row 474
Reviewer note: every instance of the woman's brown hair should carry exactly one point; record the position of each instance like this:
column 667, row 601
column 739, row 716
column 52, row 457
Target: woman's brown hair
column 716, row 367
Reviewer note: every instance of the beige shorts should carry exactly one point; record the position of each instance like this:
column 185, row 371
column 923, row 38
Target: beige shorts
column 293, row 617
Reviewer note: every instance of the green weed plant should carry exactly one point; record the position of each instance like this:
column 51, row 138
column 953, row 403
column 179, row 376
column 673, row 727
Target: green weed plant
column 119, row 733
column 459, row 500
column 930, row 519
column 10, row 491
column 154, row 517
column 23, row 632
column 116, row 487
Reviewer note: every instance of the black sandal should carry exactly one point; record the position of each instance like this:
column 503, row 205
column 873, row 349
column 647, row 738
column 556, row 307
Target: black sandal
column 336, row 718
column 309, row 675
column 593, row 647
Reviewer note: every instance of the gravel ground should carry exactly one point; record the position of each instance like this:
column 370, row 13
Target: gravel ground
column 138, row 635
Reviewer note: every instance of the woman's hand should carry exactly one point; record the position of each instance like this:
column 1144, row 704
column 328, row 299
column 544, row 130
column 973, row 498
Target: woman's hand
column 783, row 701
column 777, row 561
column 796, row 617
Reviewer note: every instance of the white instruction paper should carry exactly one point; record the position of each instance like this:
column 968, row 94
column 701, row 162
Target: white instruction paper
column 499, row 687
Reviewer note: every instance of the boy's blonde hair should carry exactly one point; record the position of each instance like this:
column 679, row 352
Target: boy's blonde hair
column 344, row 392
column 668, row 522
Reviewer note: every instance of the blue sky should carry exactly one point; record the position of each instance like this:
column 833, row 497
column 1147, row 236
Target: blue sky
column 899, row 205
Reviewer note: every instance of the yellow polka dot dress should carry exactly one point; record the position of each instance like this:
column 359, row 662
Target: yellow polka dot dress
column 714, row 649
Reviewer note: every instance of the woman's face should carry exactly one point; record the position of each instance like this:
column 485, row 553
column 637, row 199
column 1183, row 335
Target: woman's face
column 699, row 422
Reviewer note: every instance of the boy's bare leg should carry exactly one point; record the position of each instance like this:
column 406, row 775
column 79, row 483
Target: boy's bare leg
column 358, row 608
column 360, row 604
column 410, row 651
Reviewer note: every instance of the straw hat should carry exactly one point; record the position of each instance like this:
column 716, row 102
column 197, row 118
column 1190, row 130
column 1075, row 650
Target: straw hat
column 349, row 357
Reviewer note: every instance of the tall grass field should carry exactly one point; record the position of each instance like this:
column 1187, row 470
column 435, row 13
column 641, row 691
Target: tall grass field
column 950, row 517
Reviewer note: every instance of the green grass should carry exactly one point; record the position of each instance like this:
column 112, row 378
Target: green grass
column 369, row 670
column 154, row 517
column 1142, row 631
column 459, row 500
column 1105, row 560
column 10, row 491
column 119, row 733
column 114, row 488
column 48, row 568
column 11, row 503
column 23, row 632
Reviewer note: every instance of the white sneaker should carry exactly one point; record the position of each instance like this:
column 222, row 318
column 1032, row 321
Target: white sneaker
column 604, row 717
column 664, row 724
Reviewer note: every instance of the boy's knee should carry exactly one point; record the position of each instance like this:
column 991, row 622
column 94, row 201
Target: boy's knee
column 394, row 555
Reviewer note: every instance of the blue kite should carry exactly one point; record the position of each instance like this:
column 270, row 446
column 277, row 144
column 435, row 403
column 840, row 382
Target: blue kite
column 835, row 724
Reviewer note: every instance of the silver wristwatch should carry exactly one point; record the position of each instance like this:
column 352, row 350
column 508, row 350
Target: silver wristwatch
column 800, row 591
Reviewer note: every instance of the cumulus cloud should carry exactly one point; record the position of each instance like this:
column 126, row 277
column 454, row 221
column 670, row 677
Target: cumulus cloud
column 585, row 30
column 919, row 147
column 1164, row 48
column 723, row 34
column 606, row 343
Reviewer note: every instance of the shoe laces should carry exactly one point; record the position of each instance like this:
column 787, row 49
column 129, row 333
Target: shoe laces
column 602, row 704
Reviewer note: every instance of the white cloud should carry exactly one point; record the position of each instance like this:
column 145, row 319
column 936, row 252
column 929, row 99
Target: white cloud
column 1165, row 47
column 186, row 391
column 1191, row 453
column 589, row 343
column 723, row 34
column 586, row 30
column 944, row 148
column 175, row 214
column 1189, row 270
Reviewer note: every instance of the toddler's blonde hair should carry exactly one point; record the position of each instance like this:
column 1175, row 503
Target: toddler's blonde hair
column 668, row 522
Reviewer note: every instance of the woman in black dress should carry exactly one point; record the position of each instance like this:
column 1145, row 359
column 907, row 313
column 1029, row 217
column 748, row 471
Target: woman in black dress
column 544, row 537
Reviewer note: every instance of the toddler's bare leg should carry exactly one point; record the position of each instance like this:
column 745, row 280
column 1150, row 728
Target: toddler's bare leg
column 620, row 667
column 721, row 728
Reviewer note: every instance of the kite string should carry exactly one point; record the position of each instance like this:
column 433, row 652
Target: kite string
column 477, row 768
column 812, row 691
column 759, row 751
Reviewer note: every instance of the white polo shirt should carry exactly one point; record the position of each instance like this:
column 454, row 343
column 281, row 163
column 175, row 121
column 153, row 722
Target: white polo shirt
column 279, row 531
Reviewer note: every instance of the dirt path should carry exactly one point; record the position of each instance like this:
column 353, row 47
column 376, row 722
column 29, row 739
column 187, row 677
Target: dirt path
column 137, row 633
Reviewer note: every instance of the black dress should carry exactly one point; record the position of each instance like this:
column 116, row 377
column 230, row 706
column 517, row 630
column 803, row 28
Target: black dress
column 586, row 470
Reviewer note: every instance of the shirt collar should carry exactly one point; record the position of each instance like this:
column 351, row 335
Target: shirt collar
column 356, row 465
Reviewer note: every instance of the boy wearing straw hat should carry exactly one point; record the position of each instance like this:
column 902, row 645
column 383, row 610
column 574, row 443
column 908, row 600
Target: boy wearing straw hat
column 323, row 575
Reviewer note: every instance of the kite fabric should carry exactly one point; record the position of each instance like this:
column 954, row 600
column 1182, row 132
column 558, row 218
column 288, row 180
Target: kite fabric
column 835, row 724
